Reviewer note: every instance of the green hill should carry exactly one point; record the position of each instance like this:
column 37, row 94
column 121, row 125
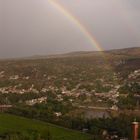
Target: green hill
column 11, row 123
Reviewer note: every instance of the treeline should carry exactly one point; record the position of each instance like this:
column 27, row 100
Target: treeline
column 13, row 98
column 130, row 88
column 128, row 98
column 120, row 124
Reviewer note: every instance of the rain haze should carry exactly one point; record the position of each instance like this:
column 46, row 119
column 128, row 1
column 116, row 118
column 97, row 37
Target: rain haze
column 37, row 27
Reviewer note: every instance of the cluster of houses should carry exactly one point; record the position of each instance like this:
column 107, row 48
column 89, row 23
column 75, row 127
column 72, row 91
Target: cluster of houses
column 36, row 101
column 134, row 74
column 13, row 77
column 75, row 93
column 109, row 96
column 15, row 89
column 2, row 74
column 112, row 95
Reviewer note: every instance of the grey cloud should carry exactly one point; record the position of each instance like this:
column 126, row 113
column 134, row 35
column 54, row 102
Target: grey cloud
column 30, row 27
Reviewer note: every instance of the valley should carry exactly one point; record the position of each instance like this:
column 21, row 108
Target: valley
column 77, row 91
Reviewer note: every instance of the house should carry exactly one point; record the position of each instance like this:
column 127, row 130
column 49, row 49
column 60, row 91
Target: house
column 58, row 114
column 5, row 107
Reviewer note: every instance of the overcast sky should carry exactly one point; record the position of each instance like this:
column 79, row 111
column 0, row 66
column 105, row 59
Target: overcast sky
column 35, row 27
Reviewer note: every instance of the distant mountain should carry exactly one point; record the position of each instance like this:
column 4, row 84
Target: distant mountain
column 126, row 51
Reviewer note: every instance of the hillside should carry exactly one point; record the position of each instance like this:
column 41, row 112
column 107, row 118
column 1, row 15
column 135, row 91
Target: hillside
column 11, row 123
column 67, row 89
column 78, row 78
column 125, row 51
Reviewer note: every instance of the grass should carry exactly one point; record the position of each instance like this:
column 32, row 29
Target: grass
column 13, row 123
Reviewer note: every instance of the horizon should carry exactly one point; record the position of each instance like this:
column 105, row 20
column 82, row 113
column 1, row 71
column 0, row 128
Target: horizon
column 66, row 53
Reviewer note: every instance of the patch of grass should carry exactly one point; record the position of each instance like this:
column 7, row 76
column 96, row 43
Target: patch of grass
column 13, row 123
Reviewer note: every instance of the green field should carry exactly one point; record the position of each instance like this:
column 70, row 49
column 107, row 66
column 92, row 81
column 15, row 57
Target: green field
column 11, row 123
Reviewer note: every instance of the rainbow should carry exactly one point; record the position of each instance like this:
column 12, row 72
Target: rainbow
column 74, row 20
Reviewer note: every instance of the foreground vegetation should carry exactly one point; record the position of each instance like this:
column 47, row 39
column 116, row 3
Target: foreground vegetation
column 26, row 129
column 14, row 128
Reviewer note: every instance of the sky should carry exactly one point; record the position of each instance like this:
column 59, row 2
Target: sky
column 37, row 27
